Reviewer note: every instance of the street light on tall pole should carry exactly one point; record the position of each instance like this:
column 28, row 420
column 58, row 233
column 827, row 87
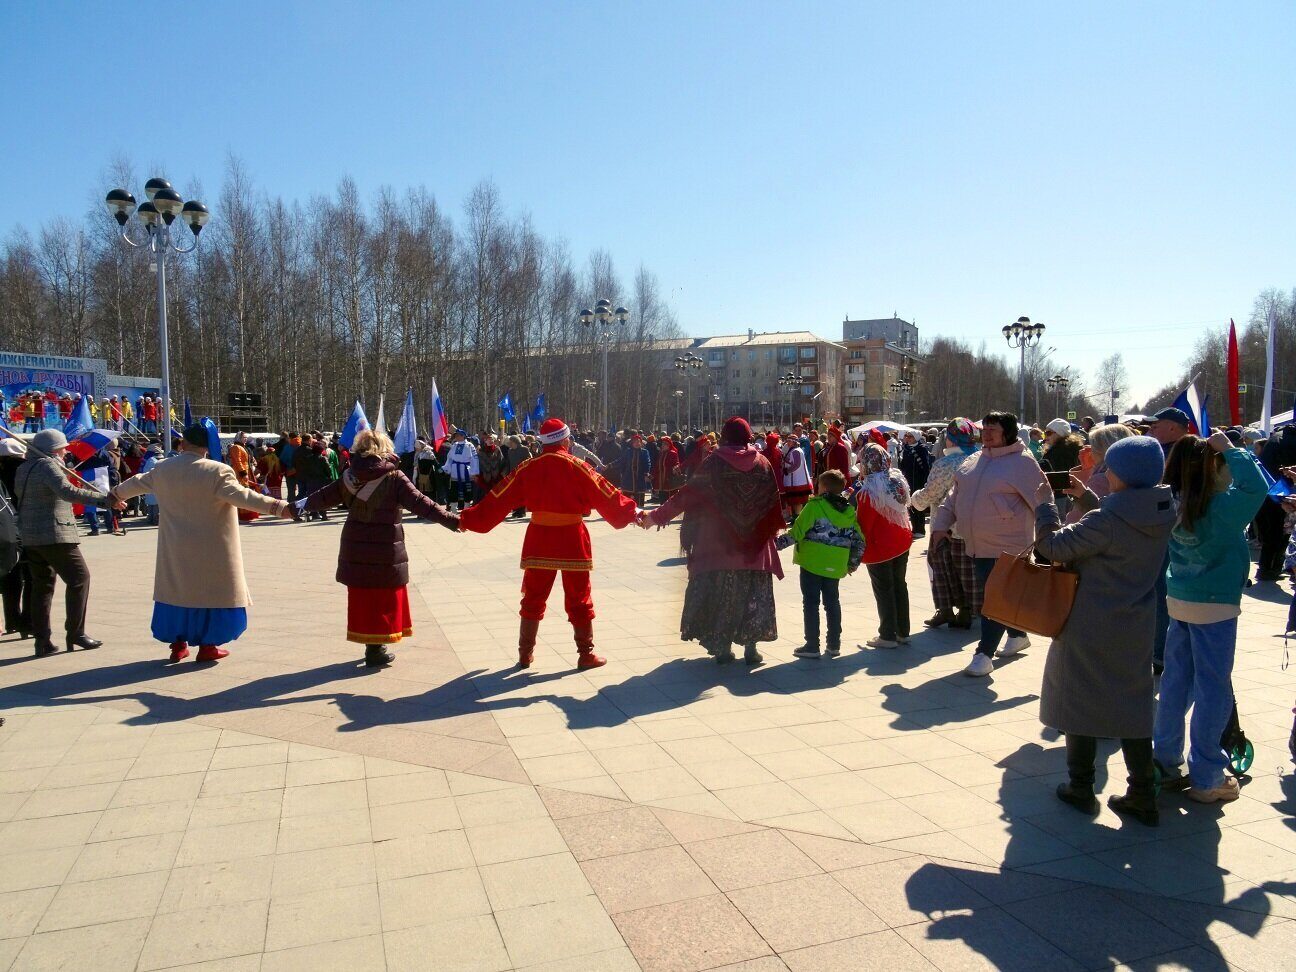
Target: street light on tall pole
column 1021, row 333
column 589, row 385
column 689, row 365
column 902, row 387
column 678, row 393
column 156, row 216
column 602, row 316
column 1058, row 386
column 715, row 421
column 787, row 381
column 764, row 413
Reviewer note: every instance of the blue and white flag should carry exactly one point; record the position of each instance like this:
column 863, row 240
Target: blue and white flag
column 79, row 422
column 356, row 424
column 541, row 411
column 506, row 406
column 440, row 424
column 526, row 422
column 407, row 429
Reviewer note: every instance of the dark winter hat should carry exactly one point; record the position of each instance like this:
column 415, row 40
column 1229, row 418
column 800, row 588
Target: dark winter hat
column 196, row 435
column 1137, row 461
column 1172, row 414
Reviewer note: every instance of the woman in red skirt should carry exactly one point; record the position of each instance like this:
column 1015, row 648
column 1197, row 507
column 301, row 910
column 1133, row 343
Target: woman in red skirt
column 372, row 562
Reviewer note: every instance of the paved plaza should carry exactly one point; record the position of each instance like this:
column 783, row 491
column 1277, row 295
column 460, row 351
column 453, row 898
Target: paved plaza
column 289, row 809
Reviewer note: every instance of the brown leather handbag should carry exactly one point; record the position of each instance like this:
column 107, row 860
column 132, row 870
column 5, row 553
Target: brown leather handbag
column 1028, row 596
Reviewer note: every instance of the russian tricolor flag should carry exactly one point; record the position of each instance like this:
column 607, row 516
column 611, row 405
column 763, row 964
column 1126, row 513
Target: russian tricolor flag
column 1195, row 407
column 84, row 440
column 440, row 424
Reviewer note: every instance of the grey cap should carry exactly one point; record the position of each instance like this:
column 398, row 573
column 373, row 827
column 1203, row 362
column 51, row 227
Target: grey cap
column 47, row 440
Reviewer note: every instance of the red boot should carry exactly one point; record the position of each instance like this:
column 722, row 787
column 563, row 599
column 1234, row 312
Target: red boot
column 526, row 642
column 210, row 653
column 179, row 651
column 585, row 647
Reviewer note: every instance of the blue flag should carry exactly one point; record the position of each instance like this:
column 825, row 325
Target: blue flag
column 356, row 424
column 541, row 412
column 407, row 428
column 214, row 450
column 79, row 422
column 188, row 414
column 526, row 422
column 506, row 406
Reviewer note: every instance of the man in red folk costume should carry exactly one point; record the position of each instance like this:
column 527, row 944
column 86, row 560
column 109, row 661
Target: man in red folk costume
column 559, row 490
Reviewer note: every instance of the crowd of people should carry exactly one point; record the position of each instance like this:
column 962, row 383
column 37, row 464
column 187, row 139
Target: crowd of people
column 1151, row 517
column 33, row 410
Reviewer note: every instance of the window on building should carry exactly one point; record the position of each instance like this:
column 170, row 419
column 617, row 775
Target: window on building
column 716, row 359
column 857, row 354
column 808, row 354
column 737, row 373
column 751, row 354
column 807, row 390
column 769, row 354
column 787, row 355
column 809, row 371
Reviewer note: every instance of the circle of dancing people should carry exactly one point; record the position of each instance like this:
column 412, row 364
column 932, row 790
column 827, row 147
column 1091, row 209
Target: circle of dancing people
column 1150, row 516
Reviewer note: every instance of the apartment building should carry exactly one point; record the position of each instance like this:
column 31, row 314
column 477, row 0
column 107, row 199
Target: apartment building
column 879, row 353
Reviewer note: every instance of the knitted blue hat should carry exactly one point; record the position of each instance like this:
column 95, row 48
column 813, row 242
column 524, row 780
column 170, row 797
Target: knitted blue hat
column 1137, row 461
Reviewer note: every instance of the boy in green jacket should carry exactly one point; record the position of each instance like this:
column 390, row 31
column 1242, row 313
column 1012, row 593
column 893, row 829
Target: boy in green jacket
column 829, row 545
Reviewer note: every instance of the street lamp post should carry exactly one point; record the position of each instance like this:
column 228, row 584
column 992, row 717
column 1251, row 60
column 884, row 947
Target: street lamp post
column 1021, row 333
column 603, row 315
column 678, row 393
column 787, row 381
column 589, row 385
column 1058, row 386
column 764, row 413
column 156, row 216
column 902, row 388
column 715, row 410
column 689, row 365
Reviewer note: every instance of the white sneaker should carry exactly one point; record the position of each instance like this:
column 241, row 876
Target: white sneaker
column 882, row 643
column 980, row 666
column 1014, row 645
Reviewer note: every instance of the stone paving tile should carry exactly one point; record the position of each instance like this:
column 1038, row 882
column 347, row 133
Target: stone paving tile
column 885, row 784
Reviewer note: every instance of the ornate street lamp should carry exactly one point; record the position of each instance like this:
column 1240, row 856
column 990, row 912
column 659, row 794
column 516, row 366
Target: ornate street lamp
column 901, row 389
column 689, row 365
column 1021, row 333
column 787, row 381
column 1058, row 386
column 155, row 218
column 602, row 317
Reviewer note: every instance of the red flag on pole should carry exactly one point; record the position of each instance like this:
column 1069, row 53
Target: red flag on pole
column 1235, row 409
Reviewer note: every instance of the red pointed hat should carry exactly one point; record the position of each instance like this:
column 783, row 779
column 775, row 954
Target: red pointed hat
column 553, row 430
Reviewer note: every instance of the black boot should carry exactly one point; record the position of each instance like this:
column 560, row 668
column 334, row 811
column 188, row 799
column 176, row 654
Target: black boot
column 1081, row 751
column 376, row 656
column 44, row 648
column 962, row 619
column 1139, row 800
column 942, row 617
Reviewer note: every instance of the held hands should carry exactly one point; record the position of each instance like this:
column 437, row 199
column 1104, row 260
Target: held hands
column 1219, row 441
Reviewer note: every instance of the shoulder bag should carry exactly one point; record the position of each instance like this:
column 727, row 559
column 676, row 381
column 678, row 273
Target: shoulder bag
column 1028, row 596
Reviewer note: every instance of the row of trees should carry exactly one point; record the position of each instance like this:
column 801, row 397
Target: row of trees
column 316, row 304
column 320, row 303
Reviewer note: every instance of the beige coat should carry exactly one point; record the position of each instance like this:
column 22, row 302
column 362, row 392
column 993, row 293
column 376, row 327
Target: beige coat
column 199, row 559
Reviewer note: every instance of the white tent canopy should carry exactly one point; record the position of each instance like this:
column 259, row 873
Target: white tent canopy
column 882, row 426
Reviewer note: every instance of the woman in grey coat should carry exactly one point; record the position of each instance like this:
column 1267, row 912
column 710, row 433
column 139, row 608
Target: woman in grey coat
column 1098, row 676
column 44, row 497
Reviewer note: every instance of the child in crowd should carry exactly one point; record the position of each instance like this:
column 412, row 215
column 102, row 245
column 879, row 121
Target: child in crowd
column 1220, row 489
column 829, row 545
column 882, row 501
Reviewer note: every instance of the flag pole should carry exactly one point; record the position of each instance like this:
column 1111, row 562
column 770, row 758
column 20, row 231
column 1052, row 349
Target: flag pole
column 1266, row 409
column 7, row 433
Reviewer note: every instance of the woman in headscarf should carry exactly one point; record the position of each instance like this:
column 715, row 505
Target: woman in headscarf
column 955, row 590
column 795, row 478
column 882, row 503
column 732, row 514
column 774, row 456
column 665, row 469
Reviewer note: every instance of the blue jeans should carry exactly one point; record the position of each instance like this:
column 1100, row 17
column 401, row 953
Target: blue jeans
column 991, row 631
column 1198, row 672
column 1162, row 615
column 813, row 587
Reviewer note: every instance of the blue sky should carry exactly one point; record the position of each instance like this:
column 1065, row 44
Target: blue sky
column 1122, row 172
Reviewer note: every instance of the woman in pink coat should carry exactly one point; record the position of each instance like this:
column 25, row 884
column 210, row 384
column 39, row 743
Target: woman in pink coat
column 993, row 503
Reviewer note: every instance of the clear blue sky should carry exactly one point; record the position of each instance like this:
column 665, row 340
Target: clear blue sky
column 1122, row 172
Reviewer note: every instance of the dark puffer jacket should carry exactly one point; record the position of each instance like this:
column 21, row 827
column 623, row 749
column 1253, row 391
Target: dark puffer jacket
column 372, row 553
